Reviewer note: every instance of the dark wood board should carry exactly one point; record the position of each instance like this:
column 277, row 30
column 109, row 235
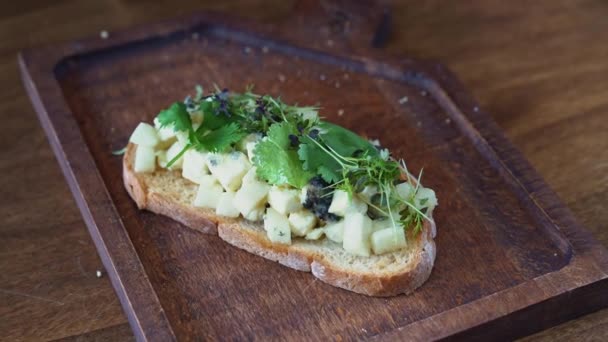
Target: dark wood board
column 511, row 258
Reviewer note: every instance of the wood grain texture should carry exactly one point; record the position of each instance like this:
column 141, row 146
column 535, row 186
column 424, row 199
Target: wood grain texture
column 543, row 58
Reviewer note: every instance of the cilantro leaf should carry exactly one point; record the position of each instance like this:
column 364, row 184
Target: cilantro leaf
column 211, row 119
column 317, row 161
column 220, row 139
column 176, row 116
column 338, row 139
column 276, row 162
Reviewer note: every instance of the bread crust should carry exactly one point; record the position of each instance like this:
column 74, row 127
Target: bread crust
column 371, row 283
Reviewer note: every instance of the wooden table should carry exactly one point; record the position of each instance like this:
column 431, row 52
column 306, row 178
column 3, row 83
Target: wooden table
column 540, row 68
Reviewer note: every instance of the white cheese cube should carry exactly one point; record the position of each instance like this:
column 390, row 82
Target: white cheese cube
column 144, row 135
column 368, row 192
column 277, row 227
column 303, row 194
column 172, row 152
column 161, row 158
column 208, row 196
column 250, row 197
column 357, row 230
column 225, row 205
column 249, row 148
column 145, row 159
column 196, row 118
column 250, row 177
column 182, row 137
column 256, row 214
column 164, row 133
column 251, row 138
column 302, row 222
column 309, row 113
column 425, row 198
column 388, row 240
column 229, row 169
column 342, row 204
column 208, row 180
column 404, row 190
column 284, row 200
column 315, row 234
column 335, row 231
column 195, row 165
column 381, row 224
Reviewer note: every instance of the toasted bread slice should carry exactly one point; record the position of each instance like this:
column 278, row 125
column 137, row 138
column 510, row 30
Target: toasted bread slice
column 167, row 193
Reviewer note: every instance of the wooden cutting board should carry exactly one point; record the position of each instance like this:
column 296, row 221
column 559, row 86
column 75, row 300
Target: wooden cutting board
column 511, row 258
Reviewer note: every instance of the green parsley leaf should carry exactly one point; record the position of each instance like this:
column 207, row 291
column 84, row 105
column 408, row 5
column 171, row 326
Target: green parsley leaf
column 276, row 161
column 344, row 141
column 219, row 139
column 176, row 116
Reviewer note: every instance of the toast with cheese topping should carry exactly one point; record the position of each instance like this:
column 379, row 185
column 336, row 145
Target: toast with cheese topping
column 167, row 193
column 278, row 181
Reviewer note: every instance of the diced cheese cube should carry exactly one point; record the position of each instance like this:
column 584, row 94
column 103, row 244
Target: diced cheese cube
column 381, row 224
column 302, row 222
column 425, row 198
column 284, row 200
column 388, row 240
column 404, row 190
column 250, row 147
column 335, row 231
column 277, row 227
column 309, row 113
column 173, row 151
column 144, row 135
column 208, row 196
column 250, row 176
column 145, row 159
column 368, row 192
column 304, row 194
column 315, row 234
column 342, row 204
column 250, row 197
column 229, row 169
column 256, row 214
column 161, row 157
column 251, row 138
column 164, row 133
column 208, row 180
column 225, row 205
column 339, row 203
column 197, row 118
column 182, row 137
column 357, row 230
column 195, row 165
